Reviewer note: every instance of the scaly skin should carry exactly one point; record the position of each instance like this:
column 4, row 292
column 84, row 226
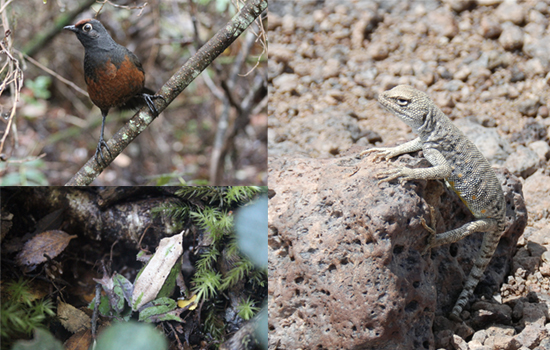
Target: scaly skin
column 456, row 160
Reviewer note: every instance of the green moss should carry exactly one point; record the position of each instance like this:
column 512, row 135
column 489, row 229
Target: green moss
column 21, row 313
column 207, row 283
column 247, row 310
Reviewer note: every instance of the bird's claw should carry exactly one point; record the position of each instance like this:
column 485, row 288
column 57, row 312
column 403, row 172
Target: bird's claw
column 149, row 100
column 99, row 152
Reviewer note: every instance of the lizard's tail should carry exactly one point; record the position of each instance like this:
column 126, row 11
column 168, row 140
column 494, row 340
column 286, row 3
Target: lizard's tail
column 488, row 247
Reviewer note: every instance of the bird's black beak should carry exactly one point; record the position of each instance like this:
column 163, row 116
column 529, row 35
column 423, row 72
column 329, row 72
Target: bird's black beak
column 71, row 28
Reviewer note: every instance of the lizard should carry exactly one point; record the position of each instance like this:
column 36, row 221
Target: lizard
column 455, row 159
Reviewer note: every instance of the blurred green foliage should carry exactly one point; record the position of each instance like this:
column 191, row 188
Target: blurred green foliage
column 39, row 87
column 28, row 174
column 43, row 340
column 132, row 335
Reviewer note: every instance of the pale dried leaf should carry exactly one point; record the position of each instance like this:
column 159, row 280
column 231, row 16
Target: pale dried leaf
column 51, row 243
column 157, row 270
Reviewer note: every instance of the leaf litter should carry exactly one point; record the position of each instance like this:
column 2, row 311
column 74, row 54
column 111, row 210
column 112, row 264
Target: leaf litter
column 50, row 243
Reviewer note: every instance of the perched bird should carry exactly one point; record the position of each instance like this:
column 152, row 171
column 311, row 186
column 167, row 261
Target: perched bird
column 113, row 74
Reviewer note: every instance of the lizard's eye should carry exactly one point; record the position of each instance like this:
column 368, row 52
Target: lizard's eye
column 402, row 102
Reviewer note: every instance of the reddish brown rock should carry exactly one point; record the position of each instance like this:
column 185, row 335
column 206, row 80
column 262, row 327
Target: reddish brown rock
column 345, row 263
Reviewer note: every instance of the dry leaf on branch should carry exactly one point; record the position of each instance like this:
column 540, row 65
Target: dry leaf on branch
column 50, row 243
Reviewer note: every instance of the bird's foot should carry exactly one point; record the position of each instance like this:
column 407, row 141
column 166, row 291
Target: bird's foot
column 149, row 100
column 99, row 152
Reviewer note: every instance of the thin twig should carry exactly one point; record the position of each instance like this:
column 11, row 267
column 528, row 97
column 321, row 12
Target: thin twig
column 193, row 13
column 14, row 76
column 243, row 118
column 111, row 254
column 96, row 308
column 4, row 6
column 55, row 75
column 140, row 7
column 219, row 148
column 261, row 37
column 176, row 336
column 27, row 159
column 142, row 235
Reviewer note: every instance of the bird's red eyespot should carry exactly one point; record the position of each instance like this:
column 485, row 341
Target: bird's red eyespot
column 87, row 27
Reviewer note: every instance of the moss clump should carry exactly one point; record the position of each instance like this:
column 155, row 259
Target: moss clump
column 21, row 311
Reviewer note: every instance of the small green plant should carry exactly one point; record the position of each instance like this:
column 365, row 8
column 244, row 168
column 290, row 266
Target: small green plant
column 214, row 325
column 21, row 313
column 207, row 284
column 218, row 224
column 240, row 271
column 247, row 310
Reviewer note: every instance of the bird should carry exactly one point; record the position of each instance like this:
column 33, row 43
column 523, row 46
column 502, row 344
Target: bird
column 113, row 74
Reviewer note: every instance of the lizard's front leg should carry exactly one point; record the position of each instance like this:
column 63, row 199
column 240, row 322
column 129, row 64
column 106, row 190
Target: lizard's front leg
column 405, row 174
column 440, row 169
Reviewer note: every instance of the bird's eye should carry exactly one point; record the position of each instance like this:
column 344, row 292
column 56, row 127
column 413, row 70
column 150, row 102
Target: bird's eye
column 87, row 27
column 402, row 102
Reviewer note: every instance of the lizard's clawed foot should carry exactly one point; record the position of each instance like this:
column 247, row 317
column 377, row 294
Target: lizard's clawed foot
column 431, row 230
column 403, row 174
column 381, row 153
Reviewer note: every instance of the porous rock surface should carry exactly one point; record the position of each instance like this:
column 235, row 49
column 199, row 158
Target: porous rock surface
column 345, row 263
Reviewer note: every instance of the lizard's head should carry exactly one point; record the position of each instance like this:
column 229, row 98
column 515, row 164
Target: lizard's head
column 408, row 103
